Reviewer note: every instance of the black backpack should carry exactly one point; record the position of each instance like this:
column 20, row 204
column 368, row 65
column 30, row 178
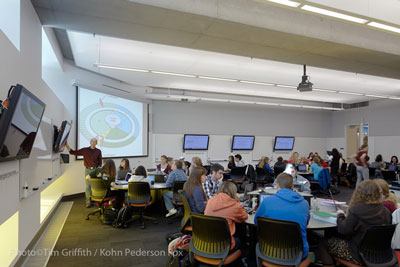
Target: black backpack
column 123, row 218
column 109, row 215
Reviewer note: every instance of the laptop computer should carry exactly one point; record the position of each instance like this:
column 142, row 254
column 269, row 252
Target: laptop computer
column 392, row 167
column 302, row 168
column 122, row 174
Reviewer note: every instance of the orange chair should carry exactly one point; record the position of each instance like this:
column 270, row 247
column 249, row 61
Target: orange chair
column 139, row 197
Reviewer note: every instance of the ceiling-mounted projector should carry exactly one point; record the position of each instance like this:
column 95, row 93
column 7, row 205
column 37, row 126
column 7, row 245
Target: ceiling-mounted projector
column 305, row 85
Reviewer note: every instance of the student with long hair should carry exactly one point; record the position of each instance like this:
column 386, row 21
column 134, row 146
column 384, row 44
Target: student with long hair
column 164, row 166
column 139, row 175
column 264, row 164
column 196, row 162
column 389, row 199
column 124, row 165
column 316, row 167
column 225, row 204
column 294, row 159
column 193, row 190
column 365, row 209
column 335, row 162
column 231, row 163
column 108, row 172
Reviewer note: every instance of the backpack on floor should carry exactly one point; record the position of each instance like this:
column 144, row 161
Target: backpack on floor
column 123, row 217
column 172, row 235
column 178, row 251
column 109, row 215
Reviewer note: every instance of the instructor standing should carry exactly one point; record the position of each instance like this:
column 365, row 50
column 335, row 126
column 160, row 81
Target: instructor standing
column 91, row 159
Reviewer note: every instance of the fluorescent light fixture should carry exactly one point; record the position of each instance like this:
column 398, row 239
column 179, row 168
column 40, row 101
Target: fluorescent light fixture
column 326, row 108
column 286, row 2
column 333, row 14
column 173, row 74
column 290, row 105
column 384, row 27
column 311, row 107
column 377, row 96
column 267, row 104
column 258, row 83
column 286, row 86
column 395, row 97
column 241, row 101
column 216, row 78
column 214, row 99
column 324, row 90
column 119, row 68
column 350, row 93
column 183, row 97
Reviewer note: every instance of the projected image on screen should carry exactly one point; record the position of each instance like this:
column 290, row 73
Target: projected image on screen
column 120, row 125
column 284, row 143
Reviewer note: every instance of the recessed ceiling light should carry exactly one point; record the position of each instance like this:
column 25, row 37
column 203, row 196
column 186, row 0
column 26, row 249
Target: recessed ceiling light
column 216, row 78
column 350, row 93
column 324, row 90
column 384, row 27
column 258, row 83
column 173, row 74
column 286, row 2
column 333, row 14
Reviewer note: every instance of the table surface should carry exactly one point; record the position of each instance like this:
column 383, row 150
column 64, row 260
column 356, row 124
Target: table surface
column 156, row 186
column 272, row 191
column 312, row 224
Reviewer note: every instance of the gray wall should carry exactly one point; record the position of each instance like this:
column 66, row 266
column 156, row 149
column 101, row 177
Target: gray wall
column 224, row 118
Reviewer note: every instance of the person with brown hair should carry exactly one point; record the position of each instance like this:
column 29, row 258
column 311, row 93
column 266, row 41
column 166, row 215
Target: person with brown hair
column 365, row 209
column 139, row 175
column 196, row 162
column 264, row 164
column 225, row 204
column 286, row 205
column 193, row 190
column 108, row 172
column 316, row 167
column 361, row 163
column 231, row 163
column 124, row 165
column 389, row 199
column 164, row 166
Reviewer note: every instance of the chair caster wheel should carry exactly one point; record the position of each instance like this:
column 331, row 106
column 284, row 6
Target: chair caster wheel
column 143, row 227
column 87, row 218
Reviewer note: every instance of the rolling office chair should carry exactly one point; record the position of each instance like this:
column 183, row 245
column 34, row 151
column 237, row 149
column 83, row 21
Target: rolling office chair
column 99, row 195
column 238, row 175
column 186, row 226
column 375, row 247
column 176, row 200
column 139, row 197
column 372, row 173
column 211, row 241
column 263, row 176
column 280, row 243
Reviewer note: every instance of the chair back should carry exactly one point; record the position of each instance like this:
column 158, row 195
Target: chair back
column 186, row 211
column 238, row 173
column 261, row 173
column 343, row 168
column 251, row 173
column 178, row 185
column 278, row 169
column 99, row 188
column 372, row 172
column 139, row 192
column 211, row 236
column 279, row 241
column 324, row 178
column 389, row 176
column 375, row 247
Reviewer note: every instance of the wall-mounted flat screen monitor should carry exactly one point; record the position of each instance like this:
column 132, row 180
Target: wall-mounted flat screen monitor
column 19, row 124
column 243, row 142
column 62, row 137
column 284, row 143
column 195, row 142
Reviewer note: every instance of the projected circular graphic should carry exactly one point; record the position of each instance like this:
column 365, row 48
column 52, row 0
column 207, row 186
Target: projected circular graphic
column 112, row 124
column 32, row 111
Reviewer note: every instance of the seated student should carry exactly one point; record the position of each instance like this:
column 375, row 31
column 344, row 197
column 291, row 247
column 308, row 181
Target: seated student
column 310, row 157
column 294, row 159
column 238, row 160
column 186, row 167
column 365, row 209
column 225, row 204
column 290, row 169
column 379, row 165
column 279, row 165
column 316, row 167
column 231, row 163
column 196, row 162
column 170, row 161
column 389, row 199
column 214, row 180
column 393, row 163
column 264, row 164
column 193, row 190
column 177, row 174
column 140, row 175
column 164, row 166
column 124, row 165
column 287, row 205
column 108, row 172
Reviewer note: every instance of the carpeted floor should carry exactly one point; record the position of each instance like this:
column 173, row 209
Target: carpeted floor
column 100, row 244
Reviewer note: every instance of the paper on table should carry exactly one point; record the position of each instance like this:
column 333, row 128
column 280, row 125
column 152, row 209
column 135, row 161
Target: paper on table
column 324, row 216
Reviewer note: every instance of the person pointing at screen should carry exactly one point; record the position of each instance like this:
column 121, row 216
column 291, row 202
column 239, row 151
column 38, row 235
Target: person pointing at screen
column 92, row 159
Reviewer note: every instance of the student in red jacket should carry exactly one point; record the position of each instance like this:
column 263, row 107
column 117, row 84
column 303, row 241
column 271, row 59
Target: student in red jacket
column 225, row 204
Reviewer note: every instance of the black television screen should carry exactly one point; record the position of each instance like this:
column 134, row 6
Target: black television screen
column 195, row 142
column 19, row 124
column 243, row 142
column 62, row 137
column 284, row 143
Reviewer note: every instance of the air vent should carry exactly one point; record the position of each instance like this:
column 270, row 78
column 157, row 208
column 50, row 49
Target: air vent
column 351, row 106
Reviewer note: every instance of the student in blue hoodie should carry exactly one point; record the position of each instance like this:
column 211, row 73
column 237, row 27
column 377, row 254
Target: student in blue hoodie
column 287, row 205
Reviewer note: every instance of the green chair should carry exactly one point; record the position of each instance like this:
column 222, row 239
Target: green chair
column 211, row 241
column 139, row 197
column 98, row 194
column 280, row 243
column 186, row 226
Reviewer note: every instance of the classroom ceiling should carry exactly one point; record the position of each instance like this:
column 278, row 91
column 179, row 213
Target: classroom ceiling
column 234, row 39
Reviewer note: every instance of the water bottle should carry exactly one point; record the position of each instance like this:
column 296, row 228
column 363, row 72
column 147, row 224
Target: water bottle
column 254, row 202
column 314, row 204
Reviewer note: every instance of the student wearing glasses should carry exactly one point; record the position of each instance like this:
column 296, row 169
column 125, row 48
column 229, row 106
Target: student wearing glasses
column 213, row 181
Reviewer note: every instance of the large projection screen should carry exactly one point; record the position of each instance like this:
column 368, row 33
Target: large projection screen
column 120, row 125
